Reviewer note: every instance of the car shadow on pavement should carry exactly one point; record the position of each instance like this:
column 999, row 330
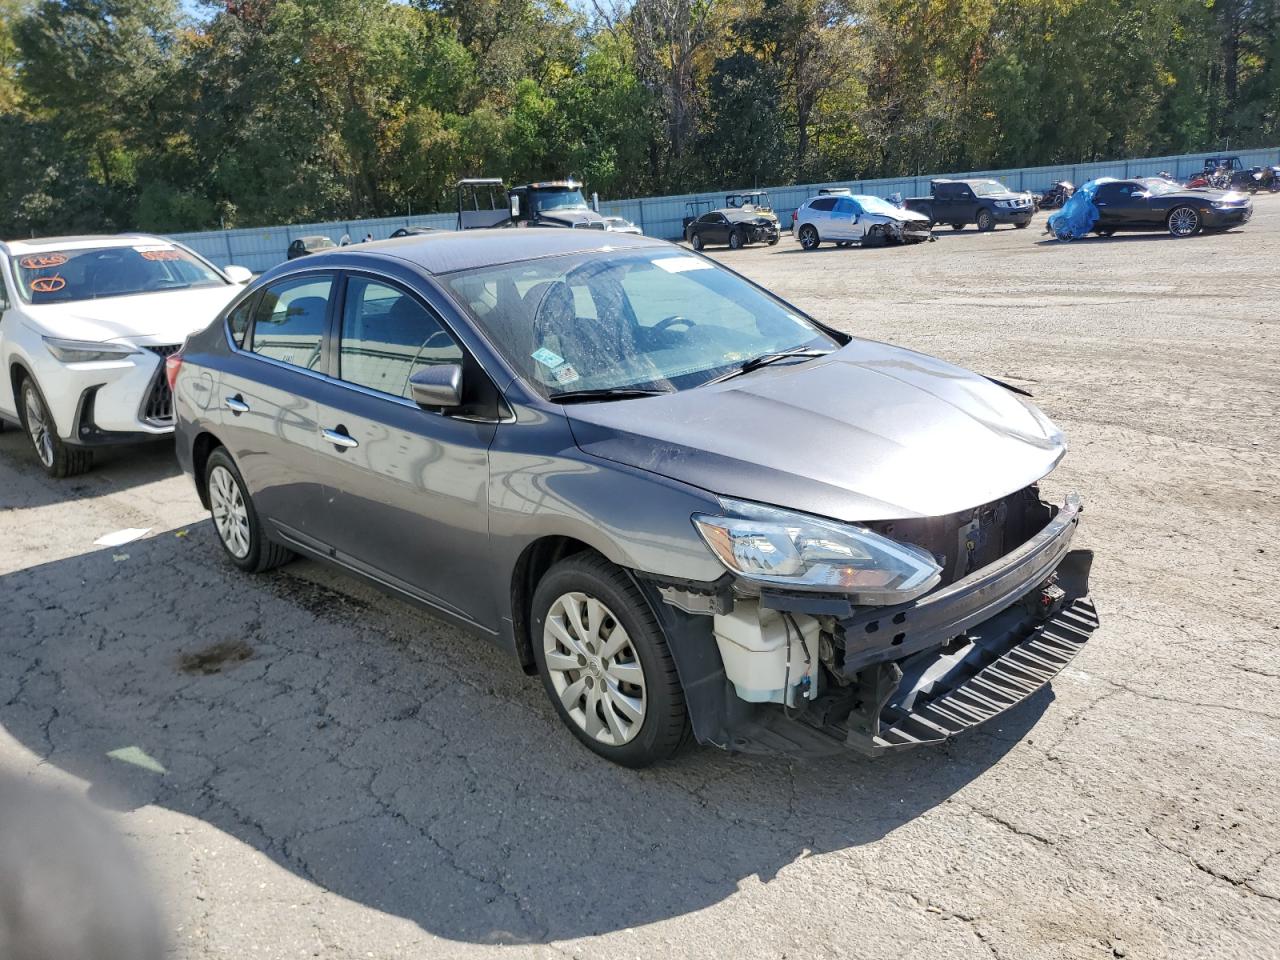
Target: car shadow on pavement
column 114, row 469
column 386, row 757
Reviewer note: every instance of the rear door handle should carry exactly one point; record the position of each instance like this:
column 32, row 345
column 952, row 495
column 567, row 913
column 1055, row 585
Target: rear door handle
column 339, row 439
column 237, row 405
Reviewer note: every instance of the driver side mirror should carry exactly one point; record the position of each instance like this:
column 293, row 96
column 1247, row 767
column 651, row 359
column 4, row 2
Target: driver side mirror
column 238, row 274
column 438, row 386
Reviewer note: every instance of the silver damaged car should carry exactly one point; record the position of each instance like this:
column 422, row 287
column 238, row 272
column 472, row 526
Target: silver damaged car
column 690, row 509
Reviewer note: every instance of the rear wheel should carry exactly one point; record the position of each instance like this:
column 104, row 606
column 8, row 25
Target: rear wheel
column 809, row 237
column 604, row 662
column 1105, row 232
column 736, row 240
column 236, row 520
column 957, row 226
column 59, row 459
column 1184, row 222
column 985, row 221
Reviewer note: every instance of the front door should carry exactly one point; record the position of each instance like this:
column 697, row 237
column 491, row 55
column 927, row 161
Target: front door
column 266, row 397
column 407, row 488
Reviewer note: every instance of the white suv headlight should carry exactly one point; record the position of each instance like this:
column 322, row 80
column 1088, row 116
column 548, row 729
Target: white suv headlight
column 768, row 546
column 86, row 351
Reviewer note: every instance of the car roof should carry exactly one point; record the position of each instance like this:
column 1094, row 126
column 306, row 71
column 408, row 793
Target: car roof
column 83, row 242
column 447, row 251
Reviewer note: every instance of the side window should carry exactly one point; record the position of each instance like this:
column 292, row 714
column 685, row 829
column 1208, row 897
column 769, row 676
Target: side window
column 289, row 323
column 823, row 203
column 238, row 321
column 387, row 336
column 846, row 207
column 1110, row 193
column 5, row 303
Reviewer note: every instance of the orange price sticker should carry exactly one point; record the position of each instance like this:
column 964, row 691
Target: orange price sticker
column 42, row 260
column 47, row 284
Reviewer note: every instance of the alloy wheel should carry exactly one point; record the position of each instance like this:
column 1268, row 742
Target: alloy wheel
column 594, row 669
column 1183, row 222
column 808, row 238
column 38, row 426
column 230, row 515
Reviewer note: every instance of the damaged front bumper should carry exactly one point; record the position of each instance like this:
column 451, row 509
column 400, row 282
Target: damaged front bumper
column 920, row 672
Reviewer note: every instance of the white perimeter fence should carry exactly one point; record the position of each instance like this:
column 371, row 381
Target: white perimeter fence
column 260, row 248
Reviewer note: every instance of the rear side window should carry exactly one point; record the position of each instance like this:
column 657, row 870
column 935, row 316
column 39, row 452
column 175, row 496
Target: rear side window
column 5, row 303
column 387, row 336
column 823, row 203
column 238, row 321
column 289, row 323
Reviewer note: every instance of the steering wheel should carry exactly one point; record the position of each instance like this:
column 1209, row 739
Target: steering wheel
column 672, row 322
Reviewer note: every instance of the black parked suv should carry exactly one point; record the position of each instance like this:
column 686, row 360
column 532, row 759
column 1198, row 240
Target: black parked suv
column 984, row 203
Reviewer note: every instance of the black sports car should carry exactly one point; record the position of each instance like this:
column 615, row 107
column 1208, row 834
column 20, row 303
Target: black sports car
column 1152, row 203
column 737, row 228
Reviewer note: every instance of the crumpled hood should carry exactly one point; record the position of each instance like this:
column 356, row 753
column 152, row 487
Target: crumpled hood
column 871, row 432
column 903, row 217
column 161, row 317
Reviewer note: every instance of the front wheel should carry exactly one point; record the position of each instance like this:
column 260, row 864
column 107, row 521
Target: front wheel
column 985, row 221
column 604, row 662
column 774, row 241
column 696, row 241
column 736, row 240
column 235, row 519
column 59, row 459
column 1184, row 222
column 809, row 237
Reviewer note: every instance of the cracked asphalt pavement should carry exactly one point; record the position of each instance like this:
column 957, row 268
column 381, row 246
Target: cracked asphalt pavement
column 309, row 769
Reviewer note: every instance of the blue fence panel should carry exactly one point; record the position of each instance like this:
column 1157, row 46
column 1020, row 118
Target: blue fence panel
column 261, row 248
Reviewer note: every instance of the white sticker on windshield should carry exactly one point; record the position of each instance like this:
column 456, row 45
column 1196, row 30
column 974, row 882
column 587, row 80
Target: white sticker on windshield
column 548, row 358
column 681, row 264
column 565, row 374
column 152, row 247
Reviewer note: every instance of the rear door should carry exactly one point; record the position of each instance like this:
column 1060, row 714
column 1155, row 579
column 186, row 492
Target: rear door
column 266, row 397
column 407, row 496
column 820, row 216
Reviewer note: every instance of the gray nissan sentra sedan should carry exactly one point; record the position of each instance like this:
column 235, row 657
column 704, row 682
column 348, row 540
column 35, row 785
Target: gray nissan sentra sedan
column 685, row 505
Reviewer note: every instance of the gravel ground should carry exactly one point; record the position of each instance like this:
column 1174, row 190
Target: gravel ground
column 345, row 777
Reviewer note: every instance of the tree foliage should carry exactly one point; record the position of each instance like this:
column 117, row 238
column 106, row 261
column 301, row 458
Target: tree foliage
column 121, row 114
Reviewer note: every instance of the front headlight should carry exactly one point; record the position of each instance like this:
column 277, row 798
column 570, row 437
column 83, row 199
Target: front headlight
column 768, row 546
column 86, row 351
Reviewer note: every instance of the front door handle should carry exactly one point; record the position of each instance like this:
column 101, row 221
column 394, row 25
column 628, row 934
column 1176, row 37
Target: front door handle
column 237, row 405
column 339, row 437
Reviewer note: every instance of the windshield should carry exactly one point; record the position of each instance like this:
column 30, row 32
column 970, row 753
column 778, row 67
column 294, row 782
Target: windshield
column 878, row 205
column 760, row 200
column 658, row 320
column 1159, row 187
column 561, row 198
column 60, row 276
column 988, row 188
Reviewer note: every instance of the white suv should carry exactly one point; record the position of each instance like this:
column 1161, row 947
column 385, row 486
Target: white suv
column 85, row 326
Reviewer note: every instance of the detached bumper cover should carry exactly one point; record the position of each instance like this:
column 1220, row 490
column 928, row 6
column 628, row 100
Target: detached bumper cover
column 933, row 696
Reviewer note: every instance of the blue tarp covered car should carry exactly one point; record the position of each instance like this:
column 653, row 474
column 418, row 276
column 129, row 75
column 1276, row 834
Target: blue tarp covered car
column 1078, row 215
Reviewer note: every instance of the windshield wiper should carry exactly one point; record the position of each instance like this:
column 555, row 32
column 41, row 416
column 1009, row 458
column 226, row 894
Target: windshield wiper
column 755, row 363
column 608, row 393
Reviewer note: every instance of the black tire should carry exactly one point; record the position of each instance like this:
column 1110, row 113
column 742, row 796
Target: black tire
column 774, row 241
column 808, row 237
column 664, row 727
column 262, row 553
column 1105, row 232
column 736, row 240
column 59, row 459
column 1184, row 221
column 696, row 240
column 1023, row 226
column 985, row 222
column 957, row 226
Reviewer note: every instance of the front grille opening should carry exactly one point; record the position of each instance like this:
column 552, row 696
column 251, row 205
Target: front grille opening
column 157, row 408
